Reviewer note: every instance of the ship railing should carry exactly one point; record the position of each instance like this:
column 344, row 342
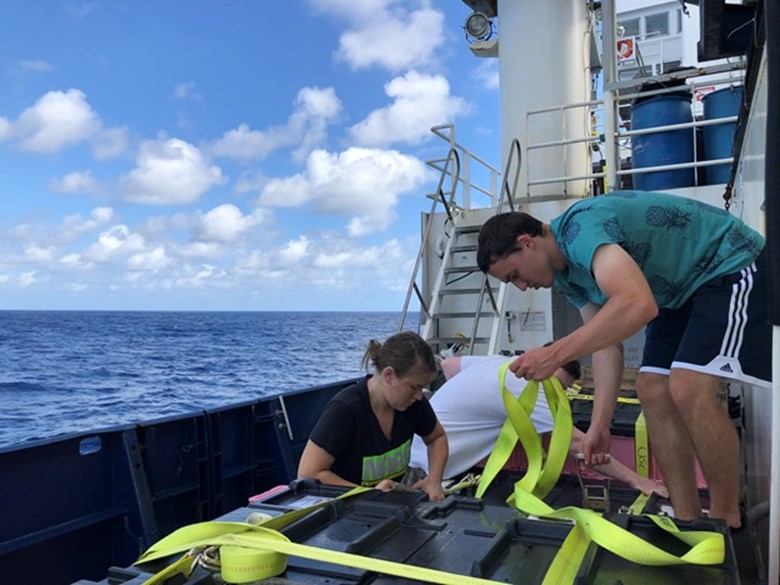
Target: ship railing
column 450, row 169
column 463, row 192
column 624, row 93
column 471, row 166
column 589, row 108
column 716, row 76
column 653, row 52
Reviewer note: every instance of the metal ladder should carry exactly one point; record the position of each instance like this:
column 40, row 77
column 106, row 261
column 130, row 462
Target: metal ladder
column 464, row 305
column 461, row 296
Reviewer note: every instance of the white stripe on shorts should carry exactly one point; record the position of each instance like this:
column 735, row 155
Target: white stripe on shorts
column 735, row 331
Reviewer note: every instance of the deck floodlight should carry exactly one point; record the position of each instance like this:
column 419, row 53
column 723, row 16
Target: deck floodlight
column 478, row 27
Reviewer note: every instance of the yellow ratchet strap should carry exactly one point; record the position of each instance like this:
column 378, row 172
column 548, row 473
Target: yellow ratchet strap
column 640, row 431
column 179, row 540
column 575, row 394
column 640, row 446
column 252, row 553
column 707, row 548
column 543, row 469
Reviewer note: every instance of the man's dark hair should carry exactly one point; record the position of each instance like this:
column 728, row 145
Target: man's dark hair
column 573, row 369
column 498, row 236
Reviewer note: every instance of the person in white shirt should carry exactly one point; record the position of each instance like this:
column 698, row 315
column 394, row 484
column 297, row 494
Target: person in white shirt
column 470, row 408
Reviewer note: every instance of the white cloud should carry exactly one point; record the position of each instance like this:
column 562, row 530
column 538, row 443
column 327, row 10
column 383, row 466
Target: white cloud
column 356, row 182
column 75, row 225
column 388, row 265
column 243, row 143
column 75, row 182
column 186, row 91
column 74, row 261
column 330, row 262
column 153, row 260
column 82, row 9
column 169, row 172
column 486, row 73
column 385, row 33
column 337, row 260
column 60, row 119
column 363, row 10
column 419, row 102
column 184, row 277
column 37, row 65
column 57, row 119
column 116, row 242
column 76, row 287
column 28, row 279
column 102, row 214
column 290, row 191
column 6, row 129
column 314, row 109
column 35, row 253
column 295, row 250
column 255, row 261
column 250, row 181
column 226, row 224
column 109, row 143
column 201, row 250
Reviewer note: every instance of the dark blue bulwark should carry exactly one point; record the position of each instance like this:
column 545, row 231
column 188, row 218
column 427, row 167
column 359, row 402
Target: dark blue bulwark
column 71, row 507
column 303, row 410
column 77, row 505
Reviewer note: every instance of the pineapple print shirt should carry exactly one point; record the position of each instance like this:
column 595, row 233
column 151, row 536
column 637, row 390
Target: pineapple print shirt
column 679, row 243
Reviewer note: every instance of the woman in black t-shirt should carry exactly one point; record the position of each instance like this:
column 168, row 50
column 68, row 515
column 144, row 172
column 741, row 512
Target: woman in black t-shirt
column 364, row 435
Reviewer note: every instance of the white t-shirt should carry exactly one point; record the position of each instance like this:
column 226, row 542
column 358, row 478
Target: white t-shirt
column 470, row 408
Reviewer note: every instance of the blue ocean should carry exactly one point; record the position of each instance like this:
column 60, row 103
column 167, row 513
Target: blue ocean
column 77, row 371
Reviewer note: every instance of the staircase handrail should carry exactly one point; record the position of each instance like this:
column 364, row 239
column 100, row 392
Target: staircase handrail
column 514, row 149
column 452, row 158
column 505, row 190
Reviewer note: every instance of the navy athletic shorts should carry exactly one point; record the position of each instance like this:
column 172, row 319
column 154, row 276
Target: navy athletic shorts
column 722, row 330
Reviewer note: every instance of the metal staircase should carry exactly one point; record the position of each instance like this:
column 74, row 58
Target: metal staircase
column 458, row 303
column 462, row 296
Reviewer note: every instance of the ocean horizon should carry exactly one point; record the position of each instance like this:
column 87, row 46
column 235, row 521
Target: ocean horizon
column 64, row 371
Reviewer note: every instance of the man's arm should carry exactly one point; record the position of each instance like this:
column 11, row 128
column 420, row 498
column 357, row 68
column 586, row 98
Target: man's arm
column 607, row 376
column 630, row 305
column 450, row 367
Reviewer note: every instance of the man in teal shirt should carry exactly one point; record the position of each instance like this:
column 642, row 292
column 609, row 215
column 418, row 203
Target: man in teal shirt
column 690, row 272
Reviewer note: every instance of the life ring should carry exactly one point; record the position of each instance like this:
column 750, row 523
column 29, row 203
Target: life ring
column 625, row 48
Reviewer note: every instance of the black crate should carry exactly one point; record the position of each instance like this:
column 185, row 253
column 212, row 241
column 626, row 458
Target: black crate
column 602, row 567
column 461, row 534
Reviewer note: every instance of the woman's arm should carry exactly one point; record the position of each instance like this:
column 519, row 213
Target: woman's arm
column 316, row 463
column 438, row 451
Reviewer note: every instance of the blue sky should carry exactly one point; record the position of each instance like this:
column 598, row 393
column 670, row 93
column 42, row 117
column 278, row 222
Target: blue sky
column 227, row 155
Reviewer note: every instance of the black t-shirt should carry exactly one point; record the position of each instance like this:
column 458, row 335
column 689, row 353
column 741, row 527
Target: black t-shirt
column 349, row 430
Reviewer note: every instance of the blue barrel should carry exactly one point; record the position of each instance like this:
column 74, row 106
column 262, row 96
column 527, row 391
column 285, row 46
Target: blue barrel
column 662, row 148
column 719, row 138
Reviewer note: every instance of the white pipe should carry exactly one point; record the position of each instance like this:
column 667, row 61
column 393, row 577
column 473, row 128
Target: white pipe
column 774, row 477
column 609, row 25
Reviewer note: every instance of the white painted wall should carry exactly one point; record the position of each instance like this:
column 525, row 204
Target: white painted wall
column 544, row 62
